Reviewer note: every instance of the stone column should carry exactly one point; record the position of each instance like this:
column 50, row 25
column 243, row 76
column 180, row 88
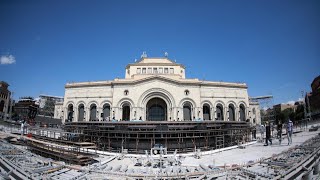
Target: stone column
column 212, row 114
column 98, row 115
column 87, row 115
column 226, row 112
column 199, row 113
column 75, row 114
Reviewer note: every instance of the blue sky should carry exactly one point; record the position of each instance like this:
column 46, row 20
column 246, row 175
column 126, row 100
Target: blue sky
column 273, row 46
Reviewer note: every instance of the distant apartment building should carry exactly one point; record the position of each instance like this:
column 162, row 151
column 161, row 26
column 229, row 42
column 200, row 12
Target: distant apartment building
column 4, row 99
column 283, row 106
column 26, row 108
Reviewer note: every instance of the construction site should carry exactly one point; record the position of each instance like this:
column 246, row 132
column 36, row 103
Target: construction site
column 83, row 151
column 183, row 136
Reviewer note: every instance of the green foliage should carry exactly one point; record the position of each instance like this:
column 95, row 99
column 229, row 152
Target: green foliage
column 289, row 113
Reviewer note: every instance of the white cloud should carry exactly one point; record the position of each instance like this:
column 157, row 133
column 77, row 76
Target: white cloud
column 292, row 102
column 7, row 59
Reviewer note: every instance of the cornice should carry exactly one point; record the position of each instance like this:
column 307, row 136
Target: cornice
column 194, row 82
column 155, row 64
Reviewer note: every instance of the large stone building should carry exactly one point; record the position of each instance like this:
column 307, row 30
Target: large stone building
column 314, row 98
column 4, row 99
column 155, row 89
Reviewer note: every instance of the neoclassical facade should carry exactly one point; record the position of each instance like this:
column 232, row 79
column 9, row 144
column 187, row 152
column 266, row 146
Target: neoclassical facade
column 154, row 89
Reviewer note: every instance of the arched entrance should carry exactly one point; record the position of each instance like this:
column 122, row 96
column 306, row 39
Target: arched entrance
column 81, row 112
column 93, row 112
column 187, row 113
column 156, row 110
column 70, row 113
column 231, row 113
column 126, row 112
column 242, row 113
column 219, row 112
column 106, row 112
column 206, row 112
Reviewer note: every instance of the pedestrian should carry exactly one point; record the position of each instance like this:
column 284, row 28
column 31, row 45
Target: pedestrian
column 289, row 131
column 262, row 130
column 268, row 134
column 279, row 129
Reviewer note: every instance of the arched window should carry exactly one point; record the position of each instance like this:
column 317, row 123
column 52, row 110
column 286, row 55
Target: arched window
column 126, row 92
column 126, row 112
column 254, row 111
column 81, row 112
column 231, row 113
column 106, row 112
column 206, row 112
column 242, row 113
column 186, row 92
column 70, row 113
column 93, row 112
column 187, row 111
column 219, row 111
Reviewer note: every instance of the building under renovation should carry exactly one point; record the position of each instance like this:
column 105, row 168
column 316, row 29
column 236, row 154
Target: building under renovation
column 156, row 104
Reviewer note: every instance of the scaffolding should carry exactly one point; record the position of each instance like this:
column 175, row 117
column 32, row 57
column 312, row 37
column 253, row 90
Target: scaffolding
column 59, row 145
column 266, row 108
column 184, row 136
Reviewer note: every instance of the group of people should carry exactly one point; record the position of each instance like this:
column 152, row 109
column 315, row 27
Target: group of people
column 289, row 129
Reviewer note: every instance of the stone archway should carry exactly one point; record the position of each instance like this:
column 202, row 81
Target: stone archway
column 160, row 94
column 126, row 112
column 81, row 112
column 187, row 111
column 156, row 110
column 242, row 113
column 70, row 113
column 206, row 112
column 232, row 114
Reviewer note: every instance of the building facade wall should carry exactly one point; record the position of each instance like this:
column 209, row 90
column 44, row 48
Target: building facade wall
column 4, row 99
column 255, row 114
column 137, row 89
column 314, row 99
column 139, row 94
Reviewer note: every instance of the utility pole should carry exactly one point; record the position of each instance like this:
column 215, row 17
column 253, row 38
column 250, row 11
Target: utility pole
column 11, row 104
column 304, row 107
column 308, row 103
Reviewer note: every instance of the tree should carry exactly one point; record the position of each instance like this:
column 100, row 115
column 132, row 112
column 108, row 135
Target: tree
column 299, row 114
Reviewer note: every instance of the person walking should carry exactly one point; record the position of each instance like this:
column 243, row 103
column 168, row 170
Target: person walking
column 289, row 131
column 262, row 130
column 268, row 134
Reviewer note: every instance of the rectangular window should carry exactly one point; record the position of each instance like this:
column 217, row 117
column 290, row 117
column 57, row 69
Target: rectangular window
column 160, row 70
column 155, row 70
column 171, row 71
column 138, row 70
column 143, row 70
column 166, row 70
column 149, row 70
